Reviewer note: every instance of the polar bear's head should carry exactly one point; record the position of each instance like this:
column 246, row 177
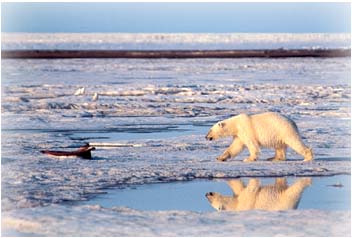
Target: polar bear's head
column 221, row 202
column 218, row 130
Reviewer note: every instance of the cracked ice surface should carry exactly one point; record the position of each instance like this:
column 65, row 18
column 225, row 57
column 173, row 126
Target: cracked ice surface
column 48, row 221
column 71, row 179
column 166, row 107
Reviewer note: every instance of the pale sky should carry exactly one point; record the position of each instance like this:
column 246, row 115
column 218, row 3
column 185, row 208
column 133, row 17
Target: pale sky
column 176, row 17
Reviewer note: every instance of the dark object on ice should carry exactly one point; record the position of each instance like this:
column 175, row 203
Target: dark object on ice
column 83, row 152
column 337, row 185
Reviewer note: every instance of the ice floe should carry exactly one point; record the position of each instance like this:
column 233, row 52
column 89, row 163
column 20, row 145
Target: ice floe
column 162, row 108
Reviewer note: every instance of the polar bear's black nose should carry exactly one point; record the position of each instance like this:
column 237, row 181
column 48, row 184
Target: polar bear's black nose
column 209, row 194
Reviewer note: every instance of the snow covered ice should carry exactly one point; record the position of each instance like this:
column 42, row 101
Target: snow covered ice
column 158, row 41
column 165, row 107
column 97, row 221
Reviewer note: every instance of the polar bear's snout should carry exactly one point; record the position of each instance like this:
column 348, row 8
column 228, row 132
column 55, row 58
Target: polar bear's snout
column 212, row 134
column 216, row 131
column 209, row 136
column 210, row 196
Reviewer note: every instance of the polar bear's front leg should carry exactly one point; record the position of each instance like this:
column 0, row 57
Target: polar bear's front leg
column 234, row 149
column 253, row 152
column 248, row 196
column 236, row 186
column 247, row 136
column 226, row 155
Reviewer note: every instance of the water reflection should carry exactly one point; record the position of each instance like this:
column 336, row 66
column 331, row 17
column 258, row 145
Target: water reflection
column 277, row 196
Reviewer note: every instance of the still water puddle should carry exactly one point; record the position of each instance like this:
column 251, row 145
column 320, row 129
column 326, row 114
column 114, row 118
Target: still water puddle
column 324, row 193
column 144, row 133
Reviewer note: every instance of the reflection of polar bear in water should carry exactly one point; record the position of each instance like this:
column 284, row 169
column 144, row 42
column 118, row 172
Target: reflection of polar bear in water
column 279, row 196
column 269, row 130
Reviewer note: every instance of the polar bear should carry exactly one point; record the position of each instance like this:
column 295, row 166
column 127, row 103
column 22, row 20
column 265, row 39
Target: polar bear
column 275, row 197
column 270, row 130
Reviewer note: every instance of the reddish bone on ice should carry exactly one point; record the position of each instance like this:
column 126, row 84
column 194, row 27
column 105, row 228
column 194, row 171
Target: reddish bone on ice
column 83, row 152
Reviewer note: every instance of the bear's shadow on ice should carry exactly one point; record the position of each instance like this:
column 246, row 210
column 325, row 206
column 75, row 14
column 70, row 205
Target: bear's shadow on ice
column 273, row 197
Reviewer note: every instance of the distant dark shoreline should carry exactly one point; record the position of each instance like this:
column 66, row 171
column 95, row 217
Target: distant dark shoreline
column 179, row 54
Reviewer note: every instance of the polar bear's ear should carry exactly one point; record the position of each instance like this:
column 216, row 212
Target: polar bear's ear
column 222, row 124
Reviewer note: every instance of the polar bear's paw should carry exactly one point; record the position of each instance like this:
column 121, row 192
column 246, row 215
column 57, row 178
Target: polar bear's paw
column 275, row 159
column 226, row 155
column 221, row 158
column 308, row 155
column 249, row 159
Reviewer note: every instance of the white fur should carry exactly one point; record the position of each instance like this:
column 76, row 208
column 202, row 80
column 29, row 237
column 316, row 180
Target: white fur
column 278, row 196
column 269, row 130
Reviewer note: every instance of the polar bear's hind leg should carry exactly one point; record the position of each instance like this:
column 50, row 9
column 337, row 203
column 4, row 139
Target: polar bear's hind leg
column 280, row 154
column 308, row 156
column 297, row 145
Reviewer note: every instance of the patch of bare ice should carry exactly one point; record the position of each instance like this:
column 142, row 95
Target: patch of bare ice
column 58, row 220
